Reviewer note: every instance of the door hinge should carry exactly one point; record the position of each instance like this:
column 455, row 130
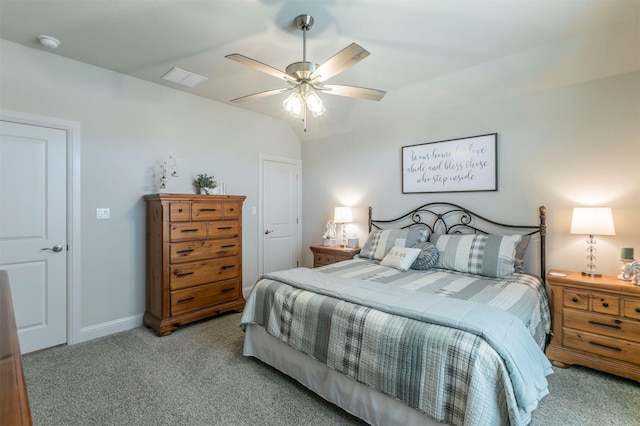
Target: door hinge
column 297, row 264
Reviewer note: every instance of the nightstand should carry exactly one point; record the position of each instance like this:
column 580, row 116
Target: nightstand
column 323, row 255
column 596, row 323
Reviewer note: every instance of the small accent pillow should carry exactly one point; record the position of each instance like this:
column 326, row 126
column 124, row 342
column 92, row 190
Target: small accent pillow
column 400, row 258
column 480, row 254
column 380, row 241
column 427, row 258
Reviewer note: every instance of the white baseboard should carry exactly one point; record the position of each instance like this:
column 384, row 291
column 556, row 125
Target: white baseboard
column 110, row 327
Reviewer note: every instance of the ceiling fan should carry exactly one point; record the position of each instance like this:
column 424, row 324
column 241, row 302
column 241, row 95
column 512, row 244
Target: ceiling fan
column 305, row 77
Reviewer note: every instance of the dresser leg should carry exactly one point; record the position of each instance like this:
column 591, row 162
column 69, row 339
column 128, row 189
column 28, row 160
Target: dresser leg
column 560, row 364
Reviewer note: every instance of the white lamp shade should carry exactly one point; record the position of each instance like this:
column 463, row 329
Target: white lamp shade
column 592, row 221
column 342, row 215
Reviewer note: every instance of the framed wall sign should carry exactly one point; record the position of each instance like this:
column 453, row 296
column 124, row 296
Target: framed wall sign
column 455, row 165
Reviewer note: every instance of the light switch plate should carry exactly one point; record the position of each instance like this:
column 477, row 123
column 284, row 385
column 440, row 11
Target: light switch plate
column 102, row 213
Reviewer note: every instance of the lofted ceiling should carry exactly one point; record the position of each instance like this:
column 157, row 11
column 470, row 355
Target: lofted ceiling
column 428, row 55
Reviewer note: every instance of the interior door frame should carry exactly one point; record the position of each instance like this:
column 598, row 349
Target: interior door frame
column 295, row 162
column 72, row 129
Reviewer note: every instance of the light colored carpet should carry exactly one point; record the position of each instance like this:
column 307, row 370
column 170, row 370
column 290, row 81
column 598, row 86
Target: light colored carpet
column 198, row 376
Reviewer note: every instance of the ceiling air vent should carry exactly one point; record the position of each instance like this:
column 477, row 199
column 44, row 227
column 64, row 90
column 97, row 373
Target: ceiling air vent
column 184, row 78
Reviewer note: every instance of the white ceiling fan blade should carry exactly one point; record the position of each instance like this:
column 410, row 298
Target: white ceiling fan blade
column 353, row 92
column 260, row 95
column 339, row 62
column 257, row 65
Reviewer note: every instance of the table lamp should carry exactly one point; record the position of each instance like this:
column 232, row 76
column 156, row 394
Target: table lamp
column 343, row 215
column 591, row 221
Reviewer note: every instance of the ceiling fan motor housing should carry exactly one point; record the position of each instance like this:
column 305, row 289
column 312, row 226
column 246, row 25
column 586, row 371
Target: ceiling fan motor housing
column 301, row 70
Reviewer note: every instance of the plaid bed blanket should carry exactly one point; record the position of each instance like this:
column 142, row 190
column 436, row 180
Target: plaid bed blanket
column 449, row 374
column 523, row 295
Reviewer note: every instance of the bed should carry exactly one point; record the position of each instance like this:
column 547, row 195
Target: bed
column 435, row 321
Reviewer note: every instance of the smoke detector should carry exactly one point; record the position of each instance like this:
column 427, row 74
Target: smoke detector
column 48, row 41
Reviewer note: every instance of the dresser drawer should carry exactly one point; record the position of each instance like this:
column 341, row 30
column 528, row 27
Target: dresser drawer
column 188, row 231
column 199, row 250
column 575, row 299
column 206, row 210
column 632, row 308
column 602, row 324
column 184, row 275
column 605, row 304
column 223, row 229
column 232, row 210
column 203, row 296
column 608, row 347
column 179, row 212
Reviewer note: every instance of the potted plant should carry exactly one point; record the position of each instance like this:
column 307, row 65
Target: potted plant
column 205, row 183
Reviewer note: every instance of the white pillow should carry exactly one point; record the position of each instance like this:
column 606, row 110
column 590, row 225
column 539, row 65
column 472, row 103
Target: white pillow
column 400, row 258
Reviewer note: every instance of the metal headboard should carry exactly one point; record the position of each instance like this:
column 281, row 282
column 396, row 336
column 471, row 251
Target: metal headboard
column 448, row 218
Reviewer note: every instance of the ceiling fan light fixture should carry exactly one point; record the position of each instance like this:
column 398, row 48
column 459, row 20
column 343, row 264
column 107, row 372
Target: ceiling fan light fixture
column 294, row 105
column 314, row 103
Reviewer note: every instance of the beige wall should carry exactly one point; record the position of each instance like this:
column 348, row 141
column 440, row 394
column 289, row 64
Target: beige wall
column 577, row 145
column 128, row 127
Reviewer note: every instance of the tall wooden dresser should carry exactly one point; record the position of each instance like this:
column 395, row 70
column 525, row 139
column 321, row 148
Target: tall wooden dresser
column 194, row 258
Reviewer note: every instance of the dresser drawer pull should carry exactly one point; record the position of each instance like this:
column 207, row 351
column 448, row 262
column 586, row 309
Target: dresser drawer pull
column 617, row 327
column 606, row 305
column 613, row 348
column 227, row 290
column 188, row 299
column 220, row 228
column 179, row 210
column 184, row 274
column 574, row 300
column 638, row 310
column 208, row 210
column 185, row 251
column 189, row 230
column 229, row 245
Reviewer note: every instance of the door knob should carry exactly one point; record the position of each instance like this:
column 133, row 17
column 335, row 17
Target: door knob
column 57, row 248
column 268, row 231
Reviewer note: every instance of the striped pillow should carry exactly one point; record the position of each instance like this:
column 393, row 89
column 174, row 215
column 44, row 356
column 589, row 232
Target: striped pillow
column 479, row 254
column 382, row 240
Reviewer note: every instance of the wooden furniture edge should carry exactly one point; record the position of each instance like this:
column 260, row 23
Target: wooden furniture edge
column 14, row 399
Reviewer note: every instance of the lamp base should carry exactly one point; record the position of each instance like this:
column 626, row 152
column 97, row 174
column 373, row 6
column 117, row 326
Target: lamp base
column 591, row 274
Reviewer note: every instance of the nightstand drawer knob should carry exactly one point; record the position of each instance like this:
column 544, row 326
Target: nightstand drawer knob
column 574, row 300
column 606, row 305
column 638, row 310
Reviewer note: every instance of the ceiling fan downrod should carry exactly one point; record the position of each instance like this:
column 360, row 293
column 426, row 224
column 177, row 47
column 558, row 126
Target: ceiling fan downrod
column 304, row 22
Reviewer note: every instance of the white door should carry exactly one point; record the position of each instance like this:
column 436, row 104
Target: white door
column 280, row 213
column 33, row 230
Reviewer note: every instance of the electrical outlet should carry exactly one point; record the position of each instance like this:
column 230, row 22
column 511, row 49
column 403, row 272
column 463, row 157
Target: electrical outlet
column 102, row 213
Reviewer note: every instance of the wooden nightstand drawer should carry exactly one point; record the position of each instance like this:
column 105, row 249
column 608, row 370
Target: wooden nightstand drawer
column 575, row 299
column 321, row 259
column 604, row 346
column 602, row 324
column 323, row 255
column 632, row 308
column 605, row 304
